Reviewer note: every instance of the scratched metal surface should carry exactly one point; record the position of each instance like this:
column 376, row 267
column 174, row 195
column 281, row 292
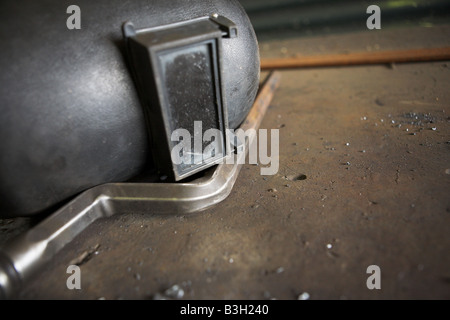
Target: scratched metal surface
column 382, row 199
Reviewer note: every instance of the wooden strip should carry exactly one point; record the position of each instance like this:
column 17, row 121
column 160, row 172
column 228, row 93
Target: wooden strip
column 363, row 58
column 262, row 101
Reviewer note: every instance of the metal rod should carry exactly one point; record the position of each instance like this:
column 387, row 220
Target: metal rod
column 363, row 58
column 24, row 256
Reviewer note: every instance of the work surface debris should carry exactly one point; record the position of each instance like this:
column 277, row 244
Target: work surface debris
column 364, row 180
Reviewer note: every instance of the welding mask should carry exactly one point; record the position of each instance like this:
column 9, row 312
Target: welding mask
column 105, row 91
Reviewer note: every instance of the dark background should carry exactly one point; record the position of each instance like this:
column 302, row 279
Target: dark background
column 290, row 18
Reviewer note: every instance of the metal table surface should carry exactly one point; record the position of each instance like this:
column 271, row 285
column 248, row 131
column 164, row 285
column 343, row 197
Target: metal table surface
column 364, row 180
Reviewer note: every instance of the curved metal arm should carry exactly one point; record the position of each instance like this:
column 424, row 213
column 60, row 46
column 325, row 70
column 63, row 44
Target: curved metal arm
column 21, row 258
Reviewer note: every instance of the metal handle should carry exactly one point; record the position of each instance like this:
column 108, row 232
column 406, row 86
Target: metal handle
column 24, row 256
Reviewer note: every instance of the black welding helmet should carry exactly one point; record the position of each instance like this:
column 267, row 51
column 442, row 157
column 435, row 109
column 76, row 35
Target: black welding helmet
column 89, row 91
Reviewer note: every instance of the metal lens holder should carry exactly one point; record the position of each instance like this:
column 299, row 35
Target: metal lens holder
column 178, row 72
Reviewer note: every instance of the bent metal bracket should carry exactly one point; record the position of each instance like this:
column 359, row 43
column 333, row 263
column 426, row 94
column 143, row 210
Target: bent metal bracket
column 26, row 255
